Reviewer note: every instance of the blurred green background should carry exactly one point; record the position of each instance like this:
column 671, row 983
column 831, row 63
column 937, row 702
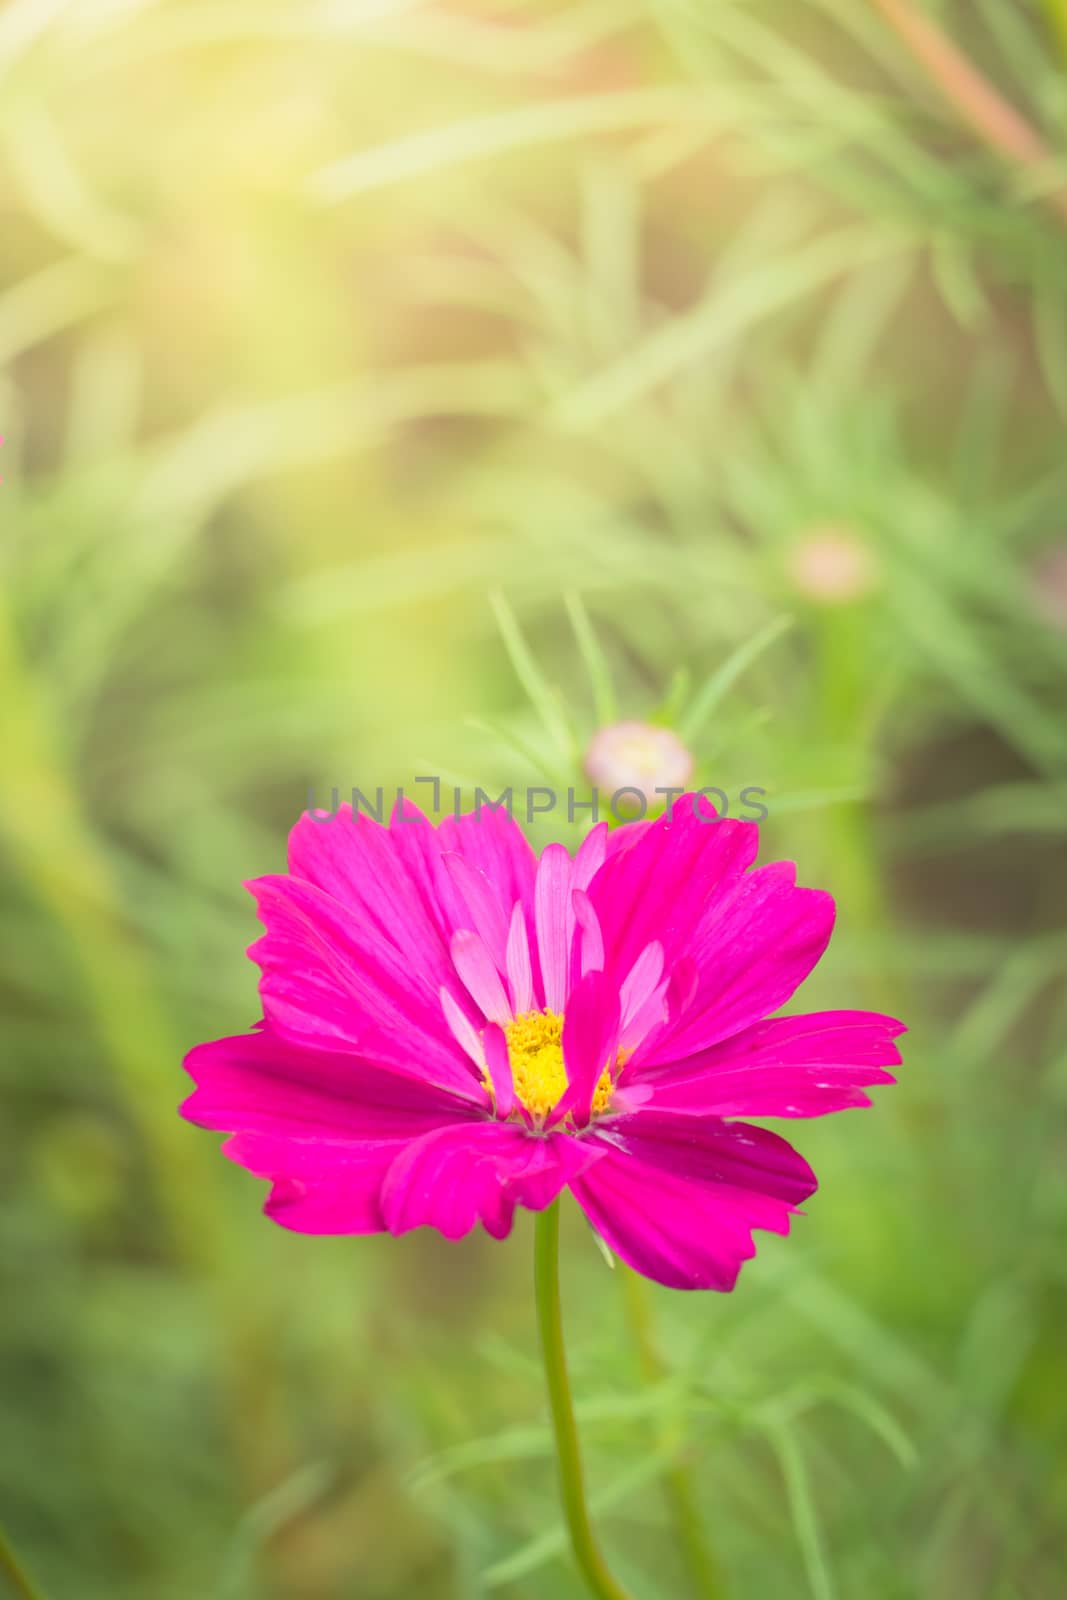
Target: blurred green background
column 714, row 350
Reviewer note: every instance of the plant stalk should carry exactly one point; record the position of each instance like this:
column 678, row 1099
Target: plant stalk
column 586, row 1551
column 979, row 102
column 1057, row 16
column 705, row 1580
column 17, row 1577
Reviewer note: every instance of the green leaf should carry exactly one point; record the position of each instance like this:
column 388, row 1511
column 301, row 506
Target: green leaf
column 802, row 1509
column 595, row 661
column 718, row 685
column 541, row 694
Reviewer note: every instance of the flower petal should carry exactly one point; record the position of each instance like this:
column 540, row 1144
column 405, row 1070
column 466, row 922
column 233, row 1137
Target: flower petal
column 660, row 885
column 802, row 1066
column 590, row 856
column 678, row 1200
column 589, row 950
column 551, row 906
column 327, row 1201
column 641, row 997
column 753, row 948
column 463, row 1030
column 260, row 1083
column 494, row 845
column 331, row 981
column 460, row 1176
column 488, row 916
column 355, row 860
column 480, row 976
column 519, row 970
column 590, row 1037
column 641, row 980
column 498, row 1065
column 418, row 845
column 625, row 836
column 324, row 1127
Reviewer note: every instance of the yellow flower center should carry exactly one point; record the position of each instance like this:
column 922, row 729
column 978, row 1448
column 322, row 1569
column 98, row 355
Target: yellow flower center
column 535, row 1051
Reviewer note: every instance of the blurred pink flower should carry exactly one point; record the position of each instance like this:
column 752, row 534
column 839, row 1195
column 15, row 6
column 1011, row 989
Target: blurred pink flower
column 637, row 755
column 833, row 566
column 1048, row 586
column 453, row 1027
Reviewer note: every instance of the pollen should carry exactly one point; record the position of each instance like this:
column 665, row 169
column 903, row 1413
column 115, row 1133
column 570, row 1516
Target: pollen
column 535, row 1051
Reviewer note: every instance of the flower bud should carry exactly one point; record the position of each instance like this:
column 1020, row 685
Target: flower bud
column 636, row 755
column 833, row 566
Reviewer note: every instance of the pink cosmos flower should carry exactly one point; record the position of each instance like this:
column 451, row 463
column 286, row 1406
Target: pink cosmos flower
column 453, row 1027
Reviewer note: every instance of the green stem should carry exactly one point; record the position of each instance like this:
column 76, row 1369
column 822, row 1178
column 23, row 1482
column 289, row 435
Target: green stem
column 15, row 1573
column 1057, row 15
column 568, row 1453
column 971, row 94
column 704, row 1575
